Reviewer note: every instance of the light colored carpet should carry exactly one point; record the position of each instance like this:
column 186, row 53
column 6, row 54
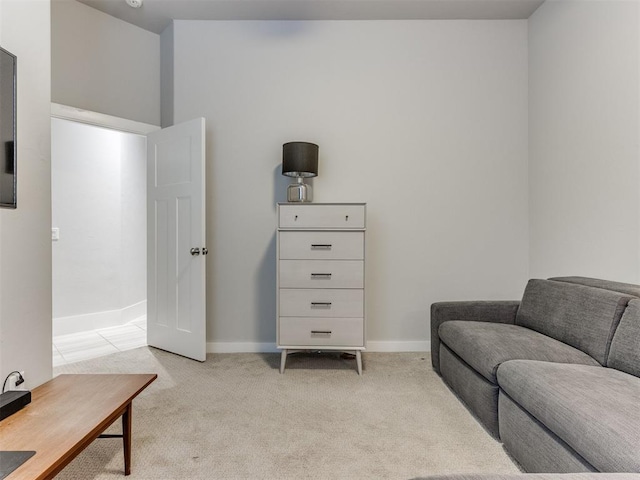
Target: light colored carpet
column 236, row 417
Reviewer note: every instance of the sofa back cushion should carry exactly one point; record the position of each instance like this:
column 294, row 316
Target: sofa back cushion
column 625, row 346
column 582, row 316
column 628, row 288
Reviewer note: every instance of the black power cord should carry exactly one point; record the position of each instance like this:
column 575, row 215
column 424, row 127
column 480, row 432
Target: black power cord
column 19, row 381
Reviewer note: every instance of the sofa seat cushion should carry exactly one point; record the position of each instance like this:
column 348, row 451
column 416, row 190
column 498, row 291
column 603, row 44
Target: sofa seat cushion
column 484, row 346
column 595, row 410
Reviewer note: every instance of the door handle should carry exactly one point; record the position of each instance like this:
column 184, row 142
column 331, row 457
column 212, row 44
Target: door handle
column 195, row 251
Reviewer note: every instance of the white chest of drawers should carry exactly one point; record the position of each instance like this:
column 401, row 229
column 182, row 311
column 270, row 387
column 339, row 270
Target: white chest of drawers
column 320, row 279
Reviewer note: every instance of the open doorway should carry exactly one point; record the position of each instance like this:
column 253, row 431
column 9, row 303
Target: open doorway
column 98, row 183
column 167, row 262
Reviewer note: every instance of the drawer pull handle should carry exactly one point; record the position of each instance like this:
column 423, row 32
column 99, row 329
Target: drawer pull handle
column 346, row 218
column 320, row 275
column 324, row 333
column 321, row 246
column 321, row 304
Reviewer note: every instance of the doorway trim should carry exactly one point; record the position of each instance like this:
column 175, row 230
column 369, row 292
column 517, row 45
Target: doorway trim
column 101, row 120
column 66, row 112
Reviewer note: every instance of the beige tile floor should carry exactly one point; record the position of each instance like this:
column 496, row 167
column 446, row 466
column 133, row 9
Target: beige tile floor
column 96, row 343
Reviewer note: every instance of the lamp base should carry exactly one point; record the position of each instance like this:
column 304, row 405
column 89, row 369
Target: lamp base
column 299, row 192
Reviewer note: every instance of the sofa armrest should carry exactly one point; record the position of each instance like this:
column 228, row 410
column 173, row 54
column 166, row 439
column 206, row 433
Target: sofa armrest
column 473, row 311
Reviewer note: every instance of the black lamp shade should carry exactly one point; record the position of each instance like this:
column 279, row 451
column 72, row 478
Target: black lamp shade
column 300, row 159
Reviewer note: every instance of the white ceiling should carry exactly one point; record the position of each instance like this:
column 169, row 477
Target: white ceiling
column 155, row 15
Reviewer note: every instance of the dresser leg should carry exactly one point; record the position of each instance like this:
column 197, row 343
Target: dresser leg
column 283, row 360
column 359, row 361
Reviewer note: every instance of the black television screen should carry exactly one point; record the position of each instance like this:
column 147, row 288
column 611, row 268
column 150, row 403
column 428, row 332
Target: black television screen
column 8, row 179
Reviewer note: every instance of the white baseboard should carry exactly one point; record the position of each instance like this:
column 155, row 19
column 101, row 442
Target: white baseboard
column 97, row 320
column 267, row 347
column 398, row 346
column 134, row 311
column 241, row 347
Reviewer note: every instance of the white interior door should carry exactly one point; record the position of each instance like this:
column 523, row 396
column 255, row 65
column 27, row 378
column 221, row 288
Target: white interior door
column 176, row 248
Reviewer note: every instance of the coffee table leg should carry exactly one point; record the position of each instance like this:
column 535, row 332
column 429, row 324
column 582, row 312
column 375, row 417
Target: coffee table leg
column 126, row 439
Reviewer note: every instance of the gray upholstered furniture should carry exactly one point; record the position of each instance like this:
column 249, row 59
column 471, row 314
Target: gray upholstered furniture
column 536, row 476
column 554, row 376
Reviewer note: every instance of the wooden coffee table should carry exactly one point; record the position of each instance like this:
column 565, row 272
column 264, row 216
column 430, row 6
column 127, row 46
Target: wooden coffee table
column 65, row 415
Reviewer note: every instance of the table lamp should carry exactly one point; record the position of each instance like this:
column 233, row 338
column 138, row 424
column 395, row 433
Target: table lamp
column 300, row 160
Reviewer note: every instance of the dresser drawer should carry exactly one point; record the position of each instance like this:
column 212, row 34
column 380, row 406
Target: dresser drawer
column 326, row 332
column 322, row 245
column 323, row 302
column 321, row 216
column 321, row 273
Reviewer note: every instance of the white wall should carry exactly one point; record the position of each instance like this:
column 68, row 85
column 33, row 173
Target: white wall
column 98, row 182
column 426, row 121
column 584, row 139
column 133, row 236
column 103, row 64
column 25, row 245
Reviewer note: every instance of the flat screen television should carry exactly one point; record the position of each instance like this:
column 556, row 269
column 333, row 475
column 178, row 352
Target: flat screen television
column 8, row 152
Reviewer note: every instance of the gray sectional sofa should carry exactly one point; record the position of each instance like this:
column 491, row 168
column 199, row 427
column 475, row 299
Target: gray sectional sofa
column 555, row 376
column 537, row 476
